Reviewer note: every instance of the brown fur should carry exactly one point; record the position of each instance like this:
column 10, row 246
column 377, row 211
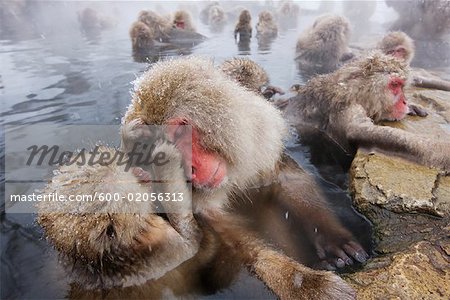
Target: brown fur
column 246, row 72
column 194, row 89
column 141, row 36
column 395, row 39
column 184, row 17
column 215, row 109
column 244, row 27
column 159, row 25
column 126, row 243
column 321, row 48
column 346, row 104
column 266, row 26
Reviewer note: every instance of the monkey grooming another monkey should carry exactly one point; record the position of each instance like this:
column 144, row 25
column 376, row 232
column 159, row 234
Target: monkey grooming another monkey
column 212, row 104
column 243, row 28
column 348, row 104
column 230, row 153
column 250, row 75
column 401, row 46
column 120, row 243
column 324, row 46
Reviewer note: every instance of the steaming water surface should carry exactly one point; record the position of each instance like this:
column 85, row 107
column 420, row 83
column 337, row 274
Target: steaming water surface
column 60, row 76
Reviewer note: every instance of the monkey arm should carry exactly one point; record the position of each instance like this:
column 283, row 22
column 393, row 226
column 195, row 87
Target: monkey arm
column 360, row 131
column 334, row 244
column 286, row 278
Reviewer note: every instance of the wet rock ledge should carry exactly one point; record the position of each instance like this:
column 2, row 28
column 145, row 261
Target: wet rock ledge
column 409, row 206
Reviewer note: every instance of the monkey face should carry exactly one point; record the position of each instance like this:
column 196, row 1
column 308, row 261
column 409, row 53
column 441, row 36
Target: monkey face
column 206, row 169
column 399, row 105
column 230, row 125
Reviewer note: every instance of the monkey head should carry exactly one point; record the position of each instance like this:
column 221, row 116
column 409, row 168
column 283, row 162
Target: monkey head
column 399, row 45
column 265, row 17
column 333, row 27
column 141, row 36
column 216, row 15
column 376, row 83
column 236, row 134
column 246, row 72
column 245, row 17
column 181, row 19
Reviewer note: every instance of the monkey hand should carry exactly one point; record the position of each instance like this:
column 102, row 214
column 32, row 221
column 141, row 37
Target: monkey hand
column 270, row 91
column 290, row 280
column 414, row 110
column 337, row 248
column 169, row 179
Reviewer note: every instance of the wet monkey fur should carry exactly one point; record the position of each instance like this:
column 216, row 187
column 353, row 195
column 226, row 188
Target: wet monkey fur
column 250, row 75
column 348, row 105
column 212, row 104
column 323, row 47
column 226, row 158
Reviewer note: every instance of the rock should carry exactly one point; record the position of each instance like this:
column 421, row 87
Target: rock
column 409, row 206
column 406, row 202
column 421, row 272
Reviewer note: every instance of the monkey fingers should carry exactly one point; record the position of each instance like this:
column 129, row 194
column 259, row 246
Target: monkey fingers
column 338, row 255
column 414, row 110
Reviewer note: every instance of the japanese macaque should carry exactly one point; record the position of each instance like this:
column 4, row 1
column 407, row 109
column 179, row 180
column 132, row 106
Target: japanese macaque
column 324, row 46
column 401, row 46
column 266, row 26
column 122, row 243
column 287, row 14
column 204, row 13
column 142, row 37
column 160, row 26
column 422, row 20
column 211, row 103
column 250, row 75
column 230, row 154
column 243, row 29
column 92, row 23
column 182, row 20
column 348, row 105
column 152, row 30
column 216, row 18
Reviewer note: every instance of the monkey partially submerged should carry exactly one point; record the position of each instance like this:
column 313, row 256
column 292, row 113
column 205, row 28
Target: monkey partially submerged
column 231, row 152
column 348, row 105
column 243, row 29
column 250, row 75
column 323, row 47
